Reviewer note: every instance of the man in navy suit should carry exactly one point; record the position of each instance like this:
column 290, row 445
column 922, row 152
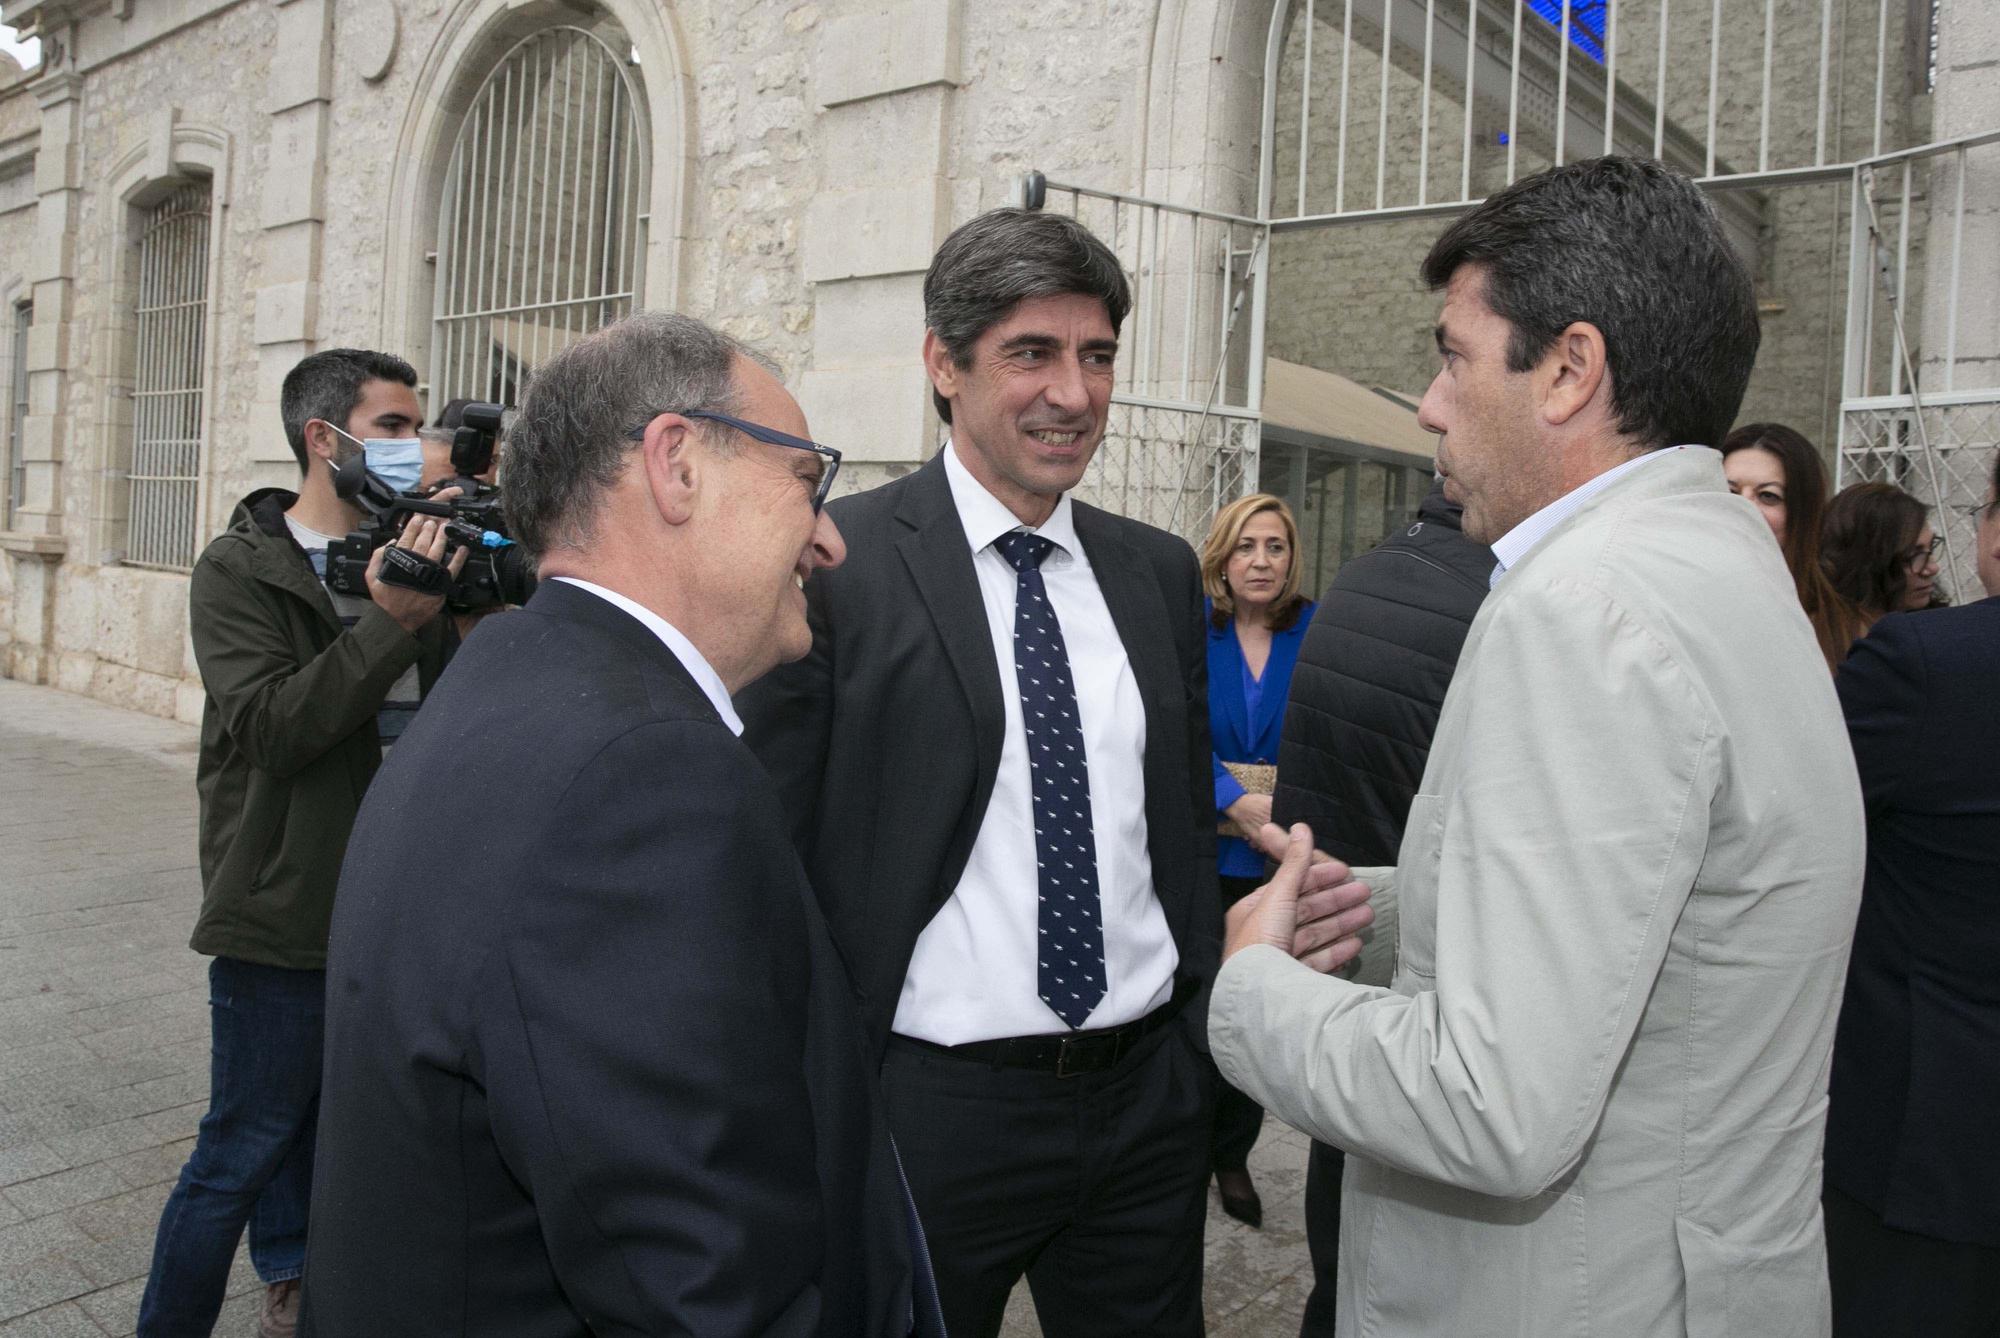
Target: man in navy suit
column 1912, row 1166
column 593, row 1063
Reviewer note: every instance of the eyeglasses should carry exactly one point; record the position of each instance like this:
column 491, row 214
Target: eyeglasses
column 770, row 436
column 1979, row 511
column 1922, row 553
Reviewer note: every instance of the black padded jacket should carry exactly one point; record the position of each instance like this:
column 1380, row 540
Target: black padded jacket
column 1371, row 680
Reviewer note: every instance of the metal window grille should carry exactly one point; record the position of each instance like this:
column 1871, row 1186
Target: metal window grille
column 172, row 317
column 541, row 231
column 17, row 414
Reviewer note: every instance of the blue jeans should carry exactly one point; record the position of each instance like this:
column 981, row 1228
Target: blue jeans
column 252, row 1160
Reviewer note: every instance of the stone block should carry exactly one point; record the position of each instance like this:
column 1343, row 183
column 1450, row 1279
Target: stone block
column 883, row 230
column 287, row 313
column 55, row 166
column 303, row 70
column 907, row 44
column 298, row 140
column 290, row 251
column 884, row 141
column 48, row 348
column 872, row 414
column 869, row 322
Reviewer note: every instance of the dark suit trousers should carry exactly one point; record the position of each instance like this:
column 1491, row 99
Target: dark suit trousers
column 1094, row 1186
column 1323, row 1175
column 1238, row 1118
column 1897, row 1284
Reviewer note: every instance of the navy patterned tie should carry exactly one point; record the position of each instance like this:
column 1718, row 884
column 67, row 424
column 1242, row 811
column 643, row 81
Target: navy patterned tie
column 1071, row 977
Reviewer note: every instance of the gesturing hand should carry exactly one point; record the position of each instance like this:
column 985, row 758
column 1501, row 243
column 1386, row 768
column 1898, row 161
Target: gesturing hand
column 1312, row 908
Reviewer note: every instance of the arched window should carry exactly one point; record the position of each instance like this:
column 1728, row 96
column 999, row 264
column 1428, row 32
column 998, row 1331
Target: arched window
column 540, row 231
column 170, row 320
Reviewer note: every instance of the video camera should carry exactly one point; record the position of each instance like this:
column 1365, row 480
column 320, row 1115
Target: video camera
column 497, row 572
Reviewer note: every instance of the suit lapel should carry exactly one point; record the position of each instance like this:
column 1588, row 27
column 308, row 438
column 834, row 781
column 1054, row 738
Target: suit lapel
column 1233, row 733
column 1133, row 596
column 940, row 562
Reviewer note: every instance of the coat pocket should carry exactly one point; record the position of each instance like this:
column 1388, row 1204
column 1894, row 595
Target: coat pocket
column 1768, row 1289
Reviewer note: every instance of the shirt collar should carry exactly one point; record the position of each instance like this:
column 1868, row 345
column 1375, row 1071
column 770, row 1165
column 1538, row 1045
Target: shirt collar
column 692, row 660
column 986, row 518
column 1512, row 546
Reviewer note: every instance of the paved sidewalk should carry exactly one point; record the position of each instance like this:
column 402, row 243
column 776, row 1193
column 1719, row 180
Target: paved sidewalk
column 104, row 1038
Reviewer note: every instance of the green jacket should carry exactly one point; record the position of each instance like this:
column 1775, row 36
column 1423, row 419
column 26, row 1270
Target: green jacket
column 287, row 734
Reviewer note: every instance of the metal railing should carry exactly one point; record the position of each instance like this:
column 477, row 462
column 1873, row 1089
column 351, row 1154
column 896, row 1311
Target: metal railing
column 541, row 230
column 1434, row 104
column 169, row 381
column 1920, row 401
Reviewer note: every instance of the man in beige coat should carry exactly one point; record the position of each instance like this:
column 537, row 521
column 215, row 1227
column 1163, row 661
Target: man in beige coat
column 1591, row 1099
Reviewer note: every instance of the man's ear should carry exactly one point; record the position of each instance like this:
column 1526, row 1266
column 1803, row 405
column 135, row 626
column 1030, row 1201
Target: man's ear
column 322, row 442
column 939, row 363
column 1573, row 371
column 674, row 469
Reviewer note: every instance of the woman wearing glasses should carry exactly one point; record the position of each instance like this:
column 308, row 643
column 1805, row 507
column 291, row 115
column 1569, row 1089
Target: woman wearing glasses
column 1880, row 551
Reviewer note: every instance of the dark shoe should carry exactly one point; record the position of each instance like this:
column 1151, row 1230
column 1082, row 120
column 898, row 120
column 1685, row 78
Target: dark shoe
column 1239, row 1197
column 280, row 1317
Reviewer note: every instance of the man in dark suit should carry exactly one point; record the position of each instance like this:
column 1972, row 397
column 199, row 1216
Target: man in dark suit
column 593, row 1063
column 996, row 759
column 1912, row 1191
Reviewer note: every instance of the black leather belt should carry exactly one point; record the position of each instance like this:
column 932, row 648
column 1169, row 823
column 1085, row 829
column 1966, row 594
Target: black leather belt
column 1066, row 1054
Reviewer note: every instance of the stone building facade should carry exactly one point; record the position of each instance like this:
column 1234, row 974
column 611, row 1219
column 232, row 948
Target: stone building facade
column 797, row 163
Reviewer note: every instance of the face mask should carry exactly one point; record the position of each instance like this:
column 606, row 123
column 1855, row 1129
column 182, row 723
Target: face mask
column 397, row 461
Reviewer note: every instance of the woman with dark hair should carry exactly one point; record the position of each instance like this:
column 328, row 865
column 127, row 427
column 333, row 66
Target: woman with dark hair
column 1775, row 469
column 1880, row 551
column 1256, row 620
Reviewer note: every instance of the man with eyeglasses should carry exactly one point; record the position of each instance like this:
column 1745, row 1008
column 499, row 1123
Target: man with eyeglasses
column 1912, row 1193
column 595, row 1066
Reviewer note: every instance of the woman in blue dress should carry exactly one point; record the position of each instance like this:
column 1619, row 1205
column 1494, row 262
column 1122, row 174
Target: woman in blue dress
column 1256, row 620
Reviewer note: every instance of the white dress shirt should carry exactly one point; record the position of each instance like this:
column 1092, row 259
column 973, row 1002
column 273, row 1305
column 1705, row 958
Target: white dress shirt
column 973, row 974
column 698, row 668
column 1512, row 546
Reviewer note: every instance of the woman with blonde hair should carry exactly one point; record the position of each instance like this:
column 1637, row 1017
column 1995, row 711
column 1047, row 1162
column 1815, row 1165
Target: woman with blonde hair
column 1256, row 621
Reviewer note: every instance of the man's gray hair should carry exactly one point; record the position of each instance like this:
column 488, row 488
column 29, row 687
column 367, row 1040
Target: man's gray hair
column 573, row 437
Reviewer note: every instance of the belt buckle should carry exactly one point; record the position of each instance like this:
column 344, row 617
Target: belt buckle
column 1063, row 1052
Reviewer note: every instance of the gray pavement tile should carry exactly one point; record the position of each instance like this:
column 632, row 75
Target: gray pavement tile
column 64, row 1189
column 106, row 1141
column 19, row 1062
column 57, row 1321
column 99, row 1075
column 168, row 1028
column 29, row 1161
column 121, row 1259
column 136, row 1212
column 114, row 1309
column 40, row 1237
column 153, row 1166
column 42, row 1283
column 9, row 1214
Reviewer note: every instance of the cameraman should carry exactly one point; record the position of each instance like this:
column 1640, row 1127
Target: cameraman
column 304, row 690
